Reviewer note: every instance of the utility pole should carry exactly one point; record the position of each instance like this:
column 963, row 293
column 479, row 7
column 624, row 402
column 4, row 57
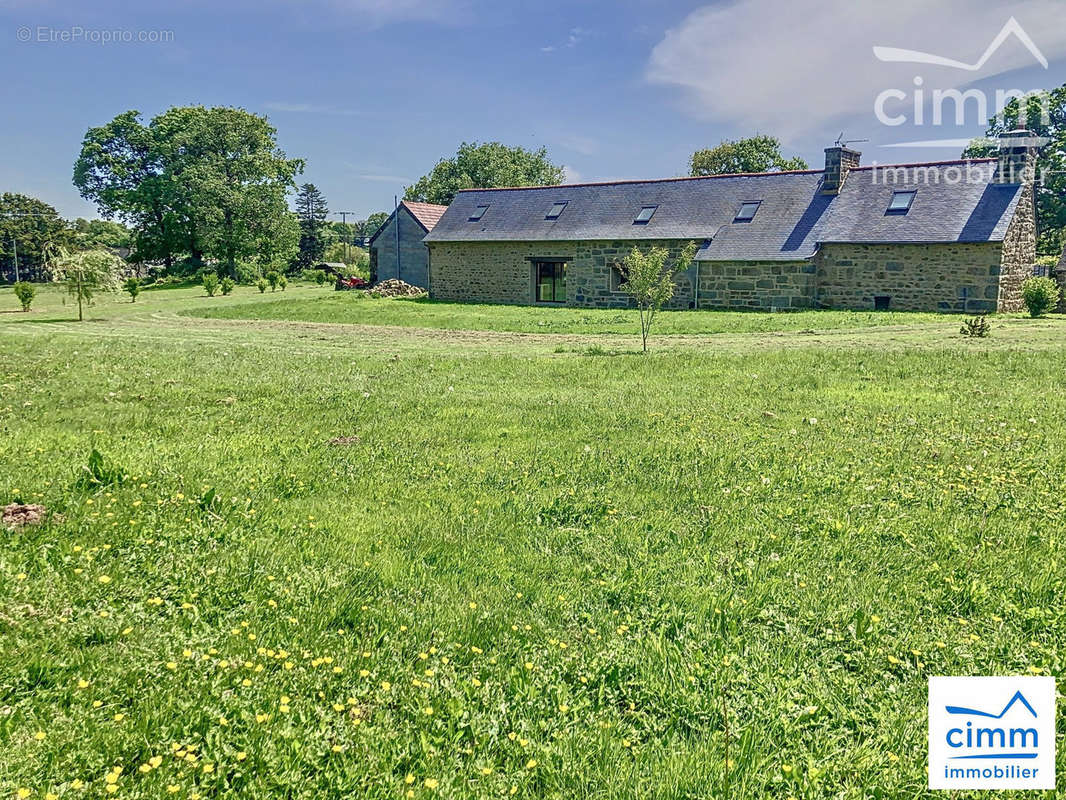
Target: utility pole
column 344, row 221
column 15, row 246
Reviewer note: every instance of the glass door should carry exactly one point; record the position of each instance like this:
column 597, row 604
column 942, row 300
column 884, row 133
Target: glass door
column 550, row 281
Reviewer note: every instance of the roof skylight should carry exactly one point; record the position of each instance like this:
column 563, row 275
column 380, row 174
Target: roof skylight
column 747, row 211
column 645, row 215
column 901, row 202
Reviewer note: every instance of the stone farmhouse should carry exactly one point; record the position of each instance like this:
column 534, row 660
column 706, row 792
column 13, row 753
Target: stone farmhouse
column 396, row 249
column 952, row 236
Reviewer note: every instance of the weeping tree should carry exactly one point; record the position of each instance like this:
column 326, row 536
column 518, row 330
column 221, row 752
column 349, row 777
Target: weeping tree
column 87, row 273
column 649, row 280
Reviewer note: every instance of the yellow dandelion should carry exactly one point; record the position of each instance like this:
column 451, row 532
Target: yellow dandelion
column 104, row 579
column 431, row 783
column 531, row 763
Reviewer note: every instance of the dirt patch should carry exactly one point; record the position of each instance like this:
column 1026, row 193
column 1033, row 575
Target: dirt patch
column 17, row 515
column 344, row 441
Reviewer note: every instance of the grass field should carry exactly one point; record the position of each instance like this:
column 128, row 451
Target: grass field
column 342, row 548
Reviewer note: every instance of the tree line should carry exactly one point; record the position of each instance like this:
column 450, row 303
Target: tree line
column 200, row 186
column 196, row 186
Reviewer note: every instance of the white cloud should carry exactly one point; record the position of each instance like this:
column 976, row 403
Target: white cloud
column 790, row 68
column 571, row 175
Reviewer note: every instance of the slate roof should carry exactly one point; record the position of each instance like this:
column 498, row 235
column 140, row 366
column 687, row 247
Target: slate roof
column 794, row 217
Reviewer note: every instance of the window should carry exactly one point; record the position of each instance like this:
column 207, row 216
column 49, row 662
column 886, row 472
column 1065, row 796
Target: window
column 617, row 278
column 747, row 211
column 557, row 209
column 645, row 215
column 901, row 202
column 479, row 212
column 882, row 303
column 550, row 278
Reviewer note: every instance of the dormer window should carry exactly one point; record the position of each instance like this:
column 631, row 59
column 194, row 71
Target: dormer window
column 479, row 212
column 747, row 211
column 645, row 215
column 557, row 209
column 901, row 202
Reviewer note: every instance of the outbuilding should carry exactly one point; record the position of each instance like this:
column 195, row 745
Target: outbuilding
column 396, row 249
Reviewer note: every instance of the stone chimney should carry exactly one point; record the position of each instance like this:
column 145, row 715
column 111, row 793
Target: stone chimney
column 839, row 161
column 1017, row 157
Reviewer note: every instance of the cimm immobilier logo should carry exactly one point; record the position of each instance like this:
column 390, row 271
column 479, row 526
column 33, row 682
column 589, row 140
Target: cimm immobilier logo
column 992, row 733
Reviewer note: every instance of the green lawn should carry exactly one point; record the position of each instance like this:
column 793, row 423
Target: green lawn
column 356, row 308
column 528, row 568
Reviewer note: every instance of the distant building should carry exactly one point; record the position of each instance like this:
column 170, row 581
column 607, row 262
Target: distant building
column 396, row 249
column 951, row 236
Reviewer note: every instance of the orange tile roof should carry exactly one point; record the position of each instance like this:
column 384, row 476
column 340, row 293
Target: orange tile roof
column 427, row 214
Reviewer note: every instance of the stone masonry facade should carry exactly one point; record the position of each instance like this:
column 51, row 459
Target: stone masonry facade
column 503, row 272
column 912, row 277
column 971, row 278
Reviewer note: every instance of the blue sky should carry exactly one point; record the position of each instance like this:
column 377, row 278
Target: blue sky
column 372, row 93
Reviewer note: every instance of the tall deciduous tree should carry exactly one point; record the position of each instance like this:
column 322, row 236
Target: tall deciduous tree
column 1044, row 114
column 28, row 228
column 755, row 154
column 196, row 181
column 311, row 211
column 485, row 166
column 121, row 169
column 369, row 226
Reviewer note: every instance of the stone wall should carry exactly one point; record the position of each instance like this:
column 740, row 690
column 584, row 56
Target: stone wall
column 1019, row 252
column 588, row 280
column 972, row 278
column 490, row 272
column 762, row 285
column 916, row 277
column 413, row 264
column 502, row 272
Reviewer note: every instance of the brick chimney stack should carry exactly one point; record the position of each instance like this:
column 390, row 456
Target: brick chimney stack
column 839, row 161
column 1017, row 157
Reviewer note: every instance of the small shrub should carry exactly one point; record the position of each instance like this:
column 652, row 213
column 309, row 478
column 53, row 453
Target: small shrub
column 318, row 276
column 247, row 273
column 133, row 288
column 1041, row 295
column 976, row 328
column 226, row 285
column 24, row 291
column 210, row 281
column 261, row 285
column 273, row 278
column 282, row 282
column 100, row 472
